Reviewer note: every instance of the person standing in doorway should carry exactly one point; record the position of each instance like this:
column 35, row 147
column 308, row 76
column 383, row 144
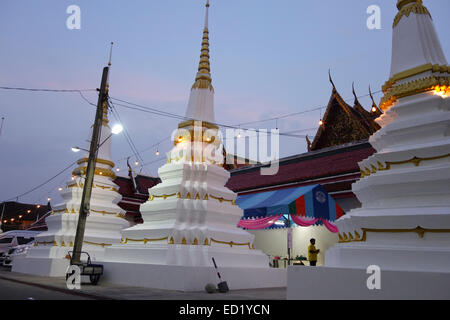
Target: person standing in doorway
column 312, row 252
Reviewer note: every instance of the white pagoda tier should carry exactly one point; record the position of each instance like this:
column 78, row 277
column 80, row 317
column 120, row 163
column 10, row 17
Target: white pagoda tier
column 191, row 217
column 103, row 226
column 403, row 226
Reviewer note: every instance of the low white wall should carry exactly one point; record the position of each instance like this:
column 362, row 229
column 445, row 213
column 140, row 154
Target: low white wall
column 325, row 283
column 274, row 242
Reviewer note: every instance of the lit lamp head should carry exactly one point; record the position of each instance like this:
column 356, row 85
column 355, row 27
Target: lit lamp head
column 76, row 149
column 117, row 128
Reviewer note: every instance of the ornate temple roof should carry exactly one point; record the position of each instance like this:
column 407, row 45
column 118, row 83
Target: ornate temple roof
column 344, row 124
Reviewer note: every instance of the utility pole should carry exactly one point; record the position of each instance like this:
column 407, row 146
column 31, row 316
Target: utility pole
column 1, row 219
column 1, row 125
column 289, row 239
column 90, row 170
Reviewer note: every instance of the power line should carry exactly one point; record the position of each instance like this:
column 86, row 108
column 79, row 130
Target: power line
column 152, row 110
column 168, row 114
column 85, row 99
column 127, row 134
column 138, row 107
column 305, row 111
column 46, row 90
column 42, row 184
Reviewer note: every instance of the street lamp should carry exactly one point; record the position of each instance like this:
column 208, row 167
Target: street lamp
column 116, row 129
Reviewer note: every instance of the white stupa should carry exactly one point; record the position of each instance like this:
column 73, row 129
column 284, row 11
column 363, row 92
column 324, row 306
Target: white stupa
column 191, row 216
column 103, row 226
column 403, row 226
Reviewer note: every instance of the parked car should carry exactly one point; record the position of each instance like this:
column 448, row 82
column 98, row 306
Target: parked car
column 16, row 251
column 14, row 238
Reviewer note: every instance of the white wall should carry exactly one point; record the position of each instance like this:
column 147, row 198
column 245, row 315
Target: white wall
column 274, row 242
column 325, row 283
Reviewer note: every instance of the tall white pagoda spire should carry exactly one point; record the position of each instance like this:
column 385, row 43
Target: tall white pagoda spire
column 403, row 225
column 404, row 186
column 191, row 216
column 201, row 100
column 418, row 63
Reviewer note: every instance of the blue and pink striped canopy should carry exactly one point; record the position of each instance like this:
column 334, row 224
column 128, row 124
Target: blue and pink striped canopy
column 310, row 201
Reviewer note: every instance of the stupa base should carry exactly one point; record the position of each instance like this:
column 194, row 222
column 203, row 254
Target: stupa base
column 189, row 278
column 52, row 261
column 46, row 267
column 317, row 283
column 189, row 268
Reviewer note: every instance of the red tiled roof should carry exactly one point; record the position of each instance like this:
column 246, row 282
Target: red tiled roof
column 313, row 165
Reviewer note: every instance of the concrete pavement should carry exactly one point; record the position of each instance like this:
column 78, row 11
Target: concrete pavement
column 25, row 286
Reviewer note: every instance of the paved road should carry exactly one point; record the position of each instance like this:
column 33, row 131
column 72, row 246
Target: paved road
column 20, row 286
column 10, row 290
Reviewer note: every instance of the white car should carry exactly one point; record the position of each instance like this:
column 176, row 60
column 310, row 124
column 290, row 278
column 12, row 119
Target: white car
column 14, row 238
column 13, row 252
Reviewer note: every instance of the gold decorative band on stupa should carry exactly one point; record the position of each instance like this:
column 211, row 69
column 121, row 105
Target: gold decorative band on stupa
column 402, row 3
column 204, row 124
column 392, row 92
column 418, row 230
column 102, row 161
column 413, row 87
column 435, row 68
column 406, row 7
column 98, row 171
column 365, row 172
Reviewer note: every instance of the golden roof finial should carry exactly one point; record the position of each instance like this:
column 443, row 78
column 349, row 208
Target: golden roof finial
column 331, row 80
column 203, row 79
column 354, row 93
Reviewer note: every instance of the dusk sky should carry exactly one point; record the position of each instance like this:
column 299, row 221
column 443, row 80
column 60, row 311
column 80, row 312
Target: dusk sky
column 268, row 59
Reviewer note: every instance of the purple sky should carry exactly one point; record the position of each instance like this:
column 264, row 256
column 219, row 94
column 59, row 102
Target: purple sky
column 268, row 58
